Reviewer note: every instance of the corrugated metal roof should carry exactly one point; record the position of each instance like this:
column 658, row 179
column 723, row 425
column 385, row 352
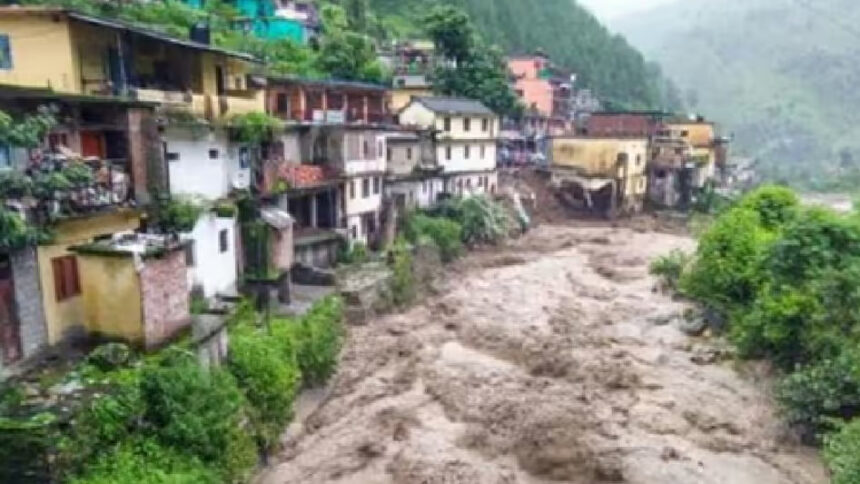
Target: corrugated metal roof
column 453, row 105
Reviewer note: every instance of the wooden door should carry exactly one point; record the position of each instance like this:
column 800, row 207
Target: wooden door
column 10, row 330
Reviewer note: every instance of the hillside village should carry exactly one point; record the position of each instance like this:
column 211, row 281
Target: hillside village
column 339, row 160
column 150, row 180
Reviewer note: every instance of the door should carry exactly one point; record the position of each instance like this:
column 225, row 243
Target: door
column 219, row 80
column 115, row 71
column 93, row 144
column 10, row 330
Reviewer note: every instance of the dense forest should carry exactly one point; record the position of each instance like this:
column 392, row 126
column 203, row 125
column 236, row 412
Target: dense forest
column 780, row 74
column 564, row 30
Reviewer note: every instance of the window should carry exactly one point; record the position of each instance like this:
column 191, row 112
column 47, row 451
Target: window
column 67, row 283
column 282, row 103
column 388, row 154
column 483, row 152
column 485, row 125
column 5, row 157
column 466, row 150
column 5, row 52
column 353, row 232
column 365, row 188
column 352, row 189
column 447, row 124
column 379, row 148
column 424, row 186
column 222, row 241
column 467, row 124
column 376, row 185
column 244, row 157
column 409, row 154
column 366, row 149
column 447, row 152
column 172, row 156
column 213, row 154
column 189, row 254
column 638, row 159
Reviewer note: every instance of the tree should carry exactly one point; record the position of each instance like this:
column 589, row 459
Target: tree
column 474, row 70
column 452, row 32
column 343, row 53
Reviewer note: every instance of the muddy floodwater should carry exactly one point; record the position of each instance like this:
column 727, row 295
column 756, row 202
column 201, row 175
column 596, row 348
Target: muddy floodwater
column 552, row 359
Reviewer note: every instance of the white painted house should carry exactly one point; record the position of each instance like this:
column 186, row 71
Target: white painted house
column 413, row 177
column 364, row 170
column 203, row 163
column 465, row 142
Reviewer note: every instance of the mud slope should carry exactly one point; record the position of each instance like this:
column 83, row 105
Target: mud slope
column 549, row 361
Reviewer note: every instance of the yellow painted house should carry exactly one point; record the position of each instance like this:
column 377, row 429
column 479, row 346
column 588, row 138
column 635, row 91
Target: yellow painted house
column 701, row 136
column 614, row 166
column 92, row 55
column 64, row 279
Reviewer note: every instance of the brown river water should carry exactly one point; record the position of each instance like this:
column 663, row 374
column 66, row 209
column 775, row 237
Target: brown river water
column 552, row 359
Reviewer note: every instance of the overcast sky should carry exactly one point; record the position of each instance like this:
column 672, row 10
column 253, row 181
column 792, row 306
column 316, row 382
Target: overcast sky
column 606, row 10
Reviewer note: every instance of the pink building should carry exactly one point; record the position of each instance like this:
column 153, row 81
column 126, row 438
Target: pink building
column 544, row 89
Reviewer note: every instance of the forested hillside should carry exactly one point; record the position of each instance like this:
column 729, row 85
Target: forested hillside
column 780, row 74
column 563, row 29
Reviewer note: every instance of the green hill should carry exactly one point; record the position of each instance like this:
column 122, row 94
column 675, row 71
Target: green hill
column 779, row 74
column 563, row 29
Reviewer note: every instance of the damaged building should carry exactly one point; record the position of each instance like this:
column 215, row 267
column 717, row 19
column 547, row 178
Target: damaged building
column 605, row 176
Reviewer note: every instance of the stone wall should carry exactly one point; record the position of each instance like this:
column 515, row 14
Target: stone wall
column 28, row 298
column 164, row 294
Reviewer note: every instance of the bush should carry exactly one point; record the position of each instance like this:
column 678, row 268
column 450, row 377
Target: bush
column 269, row 378
column 147, row 462
column 402, row 281
column 317, row 338
column 775, row 205
column 670, row 267
column 445, row 233
column 356, row 253
column 178, row 215
column 726, row 271
column 199, row 411
column 482, row 220
column 818, row 393
column 842, row 453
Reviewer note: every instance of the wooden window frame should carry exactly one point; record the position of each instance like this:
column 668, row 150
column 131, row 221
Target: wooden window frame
column 67, row 278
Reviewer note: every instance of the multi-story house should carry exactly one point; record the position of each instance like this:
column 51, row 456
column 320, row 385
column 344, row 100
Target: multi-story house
column 333, row 153
column 465, row 141
column 644, row 124
column 604, row 175
column 89, row 176
column 95, row 56
column 414, row 178
column 685, row 156
column 546, row 92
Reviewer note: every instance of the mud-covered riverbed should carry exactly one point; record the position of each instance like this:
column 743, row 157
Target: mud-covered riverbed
column 550, row 360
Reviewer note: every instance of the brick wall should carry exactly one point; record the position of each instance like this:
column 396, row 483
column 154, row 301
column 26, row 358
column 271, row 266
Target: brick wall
column 28, row 297
column 164, row 288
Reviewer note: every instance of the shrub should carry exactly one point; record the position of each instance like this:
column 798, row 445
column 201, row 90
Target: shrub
column 356, row 253
column 817, row 239
column 827, row 390
column 775, row 205
column 842, row 453
column 402, row 284
column 317, row 339
column 200, row 412
column 178, row 215
column 482, row 220
column 268, row 377
column 725, row 273
column 670, row 267
column 101, row 424
column 147, row 462
column 445, row 233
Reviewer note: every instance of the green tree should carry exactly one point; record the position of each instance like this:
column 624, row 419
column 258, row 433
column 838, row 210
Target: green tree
column 475, row 70
column 343, row 53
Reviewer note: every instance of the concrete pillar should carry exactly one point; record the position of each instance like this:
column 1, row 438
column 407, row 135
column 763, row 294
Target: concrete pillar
column 314, row 210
